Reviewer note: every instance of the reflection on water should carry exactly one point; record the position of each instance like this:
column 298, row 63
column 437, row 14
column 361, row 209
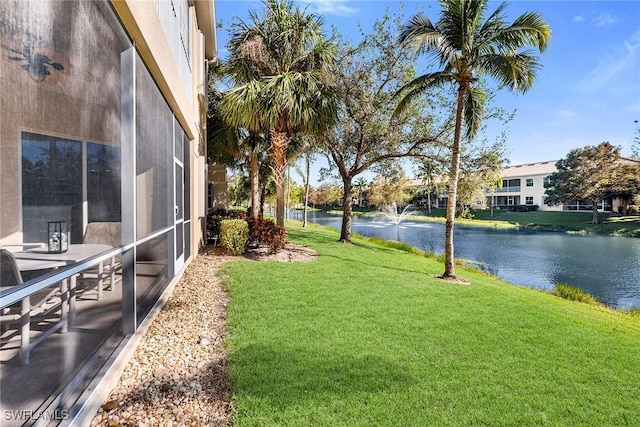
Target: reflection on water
column 604, row 266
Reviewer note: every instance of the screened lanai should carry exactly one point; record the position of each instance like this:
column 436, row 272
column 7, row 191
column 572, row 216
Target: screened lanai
column 95, row 195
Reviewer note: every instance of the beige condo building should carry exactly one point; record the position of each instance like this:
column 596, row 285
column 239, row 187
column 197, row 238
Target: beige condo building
column 102, row 134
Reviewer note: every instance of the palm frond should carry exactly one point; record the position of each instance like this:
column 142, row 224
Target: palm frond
column 474, row 107
column 305, row 97
column 281, row 59
column 418, row 86
column 515, row 71
column 242, row 106
column 532, row 30
column 426, row 39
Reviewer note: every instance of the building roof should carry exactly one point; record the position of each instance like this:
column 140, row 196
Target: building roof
column 630, row 161
column 539, row 168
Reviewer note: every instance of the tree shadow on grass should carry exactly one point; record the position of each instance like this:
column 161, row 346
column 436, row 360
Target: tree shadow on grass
column 361, row 262
column 280, row 378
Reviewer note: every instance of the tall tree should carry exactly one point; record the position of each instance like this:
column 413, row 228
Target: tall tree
column 592, row 173
column 366, row 77
column 233, row 146
column 467, row 46
column 635, row 146
column 480, row 172
column 280, row 61
column 326, row 194
column 627, row 188
column 308, row 150
column 359, row 189
column 385, row 190
column 430, row 171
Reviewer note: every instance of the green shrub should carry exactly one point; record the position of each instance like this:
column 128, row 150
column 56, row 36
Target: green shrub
column 523, row 208
column 216, row 216
column 571, row 293
column 234, row 235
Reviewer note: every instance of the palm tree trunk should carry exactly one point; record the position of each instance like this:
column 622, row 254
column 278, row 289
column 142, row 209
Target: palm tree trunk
column 255, row 186
column 307, row 172
column 279, row 148
column 449, row 260
column 263, row 196
column 347, row 204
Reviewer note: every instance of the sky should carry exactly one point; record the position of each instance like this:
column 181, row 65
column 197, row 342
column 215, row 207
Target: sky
column 587, row 92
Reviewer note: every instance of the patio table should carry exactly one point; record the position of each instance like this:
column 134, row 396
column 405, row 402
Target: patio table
column 74, row 254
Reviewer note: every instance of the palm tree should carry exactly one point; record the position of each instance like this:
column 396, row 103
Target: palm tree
column 467, row 46
column 360, row 186
column 308, row 148
column 280, row 61
column 430, row 172
column 233, row 146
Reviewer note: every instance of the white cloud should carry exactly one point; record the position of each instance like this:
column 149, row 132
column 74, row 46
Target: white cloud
column 617, row 60
column 330, row 7
column 566, row 114
column 604, row 19
column 578, row 18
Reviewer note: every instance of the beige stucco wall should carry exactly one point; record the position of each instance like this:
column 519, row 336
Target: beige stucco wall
column 141, row 21
column 218, row 178
column 79, row 102
column 82, row 102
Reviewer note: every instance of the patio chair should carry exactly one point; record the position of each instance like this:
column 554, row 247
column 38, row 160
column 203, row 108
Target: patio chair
column 109, row 233
column 42, row 302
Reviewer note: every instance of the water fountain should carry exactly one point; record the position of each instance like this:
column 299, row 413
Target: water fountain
column 390, row 213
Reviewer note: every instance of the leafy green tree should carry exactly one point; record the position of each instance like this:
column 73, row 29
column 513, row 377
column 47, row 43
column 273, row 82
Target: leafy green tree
column 234, row 146
column 479, row 172
column 592, row 173
column 635, row 146
column 467, row 46
column 367, row 76
column 279, row 61
column 326, row 194
column 239, row 189
column 384, row 191
column 627, row 179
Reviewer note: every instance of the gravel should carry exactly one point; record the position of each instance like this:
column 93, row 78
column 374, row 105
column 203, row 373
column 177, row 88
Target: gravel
column 178, row 373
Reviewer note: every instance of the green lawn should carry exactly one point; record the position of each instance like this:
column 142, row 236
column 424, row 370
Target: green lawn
column 566, row 221
column 365, row 336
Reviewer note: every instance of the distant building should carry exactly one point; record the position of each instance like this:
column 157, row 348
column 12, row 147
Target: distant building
column 524, row 185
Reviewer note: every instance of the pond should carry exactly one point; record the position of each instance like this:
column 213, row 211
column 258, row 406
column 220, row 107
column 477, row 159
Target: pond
column 604, row 266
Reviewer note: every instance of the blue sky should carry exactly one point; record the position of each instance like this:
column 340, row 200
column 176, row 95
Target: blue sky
column 587, row 92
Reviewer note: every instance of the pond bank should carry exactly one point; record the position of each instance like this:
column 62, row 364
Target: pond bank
column 568, row 222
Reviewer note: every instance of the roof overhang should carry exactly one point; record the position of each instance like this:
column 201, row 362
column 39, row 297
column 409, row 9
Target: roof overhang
column 206, row 17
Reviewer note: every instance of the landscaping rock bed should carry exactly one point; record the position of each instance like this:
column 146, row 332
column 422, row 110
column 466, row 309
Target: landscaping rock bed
column 178, row 373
